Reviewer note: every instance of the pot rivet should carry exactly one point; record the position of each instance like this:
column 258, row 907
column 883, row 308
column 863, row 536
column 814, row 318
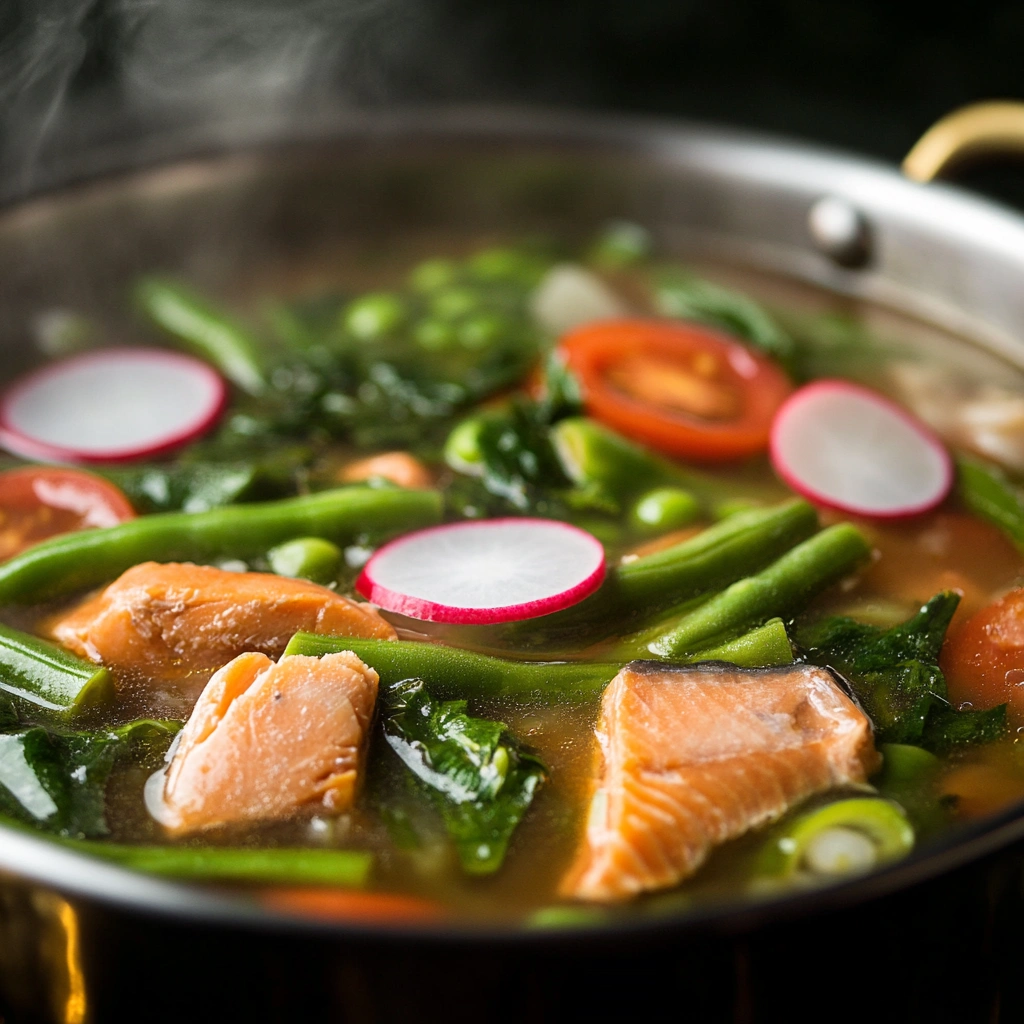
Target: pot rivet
column 840, row 231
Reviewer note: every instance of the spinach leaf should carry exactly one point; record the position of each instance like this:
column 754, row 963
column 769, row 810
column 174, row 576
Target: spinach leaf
column 57, row 781
column 679, row 294
column 480, row 780
column 895, row 674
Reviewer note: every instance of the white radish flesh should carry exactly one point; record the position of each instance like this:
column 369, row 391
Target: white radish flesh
column 498, row 570
column 851, row 449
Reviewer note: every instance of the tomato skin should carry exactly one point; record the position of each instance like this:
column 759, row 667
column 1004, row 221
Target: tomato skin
column 983, row 658
column 38, row 502
column 756, row 383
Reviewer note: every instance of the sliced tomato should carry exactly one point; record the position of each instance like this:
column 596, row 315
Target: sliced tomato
column 983, row 659
column 680, row 388
column 39, row 502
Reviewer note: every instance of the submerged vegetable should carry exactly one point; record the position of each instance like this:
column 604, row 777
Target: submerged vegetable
column 987, row 492
column 480, row 779
column 71, row 563
column 841, row 838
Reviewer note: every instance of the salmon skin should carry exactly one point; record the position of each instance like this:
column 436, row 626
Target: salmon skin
column 267, row 740
column 165, row 622
column 693, row 756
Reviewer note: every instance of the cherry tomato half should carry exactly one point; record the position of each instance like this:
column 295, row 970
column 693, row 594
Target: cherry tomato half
column 39, row 502
column 681, row 388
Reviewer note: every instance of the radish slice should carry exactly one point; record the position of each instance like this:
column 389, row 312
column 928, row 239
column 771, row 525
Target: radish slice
column 499, row 570
column 851, row 449
column 110, row 406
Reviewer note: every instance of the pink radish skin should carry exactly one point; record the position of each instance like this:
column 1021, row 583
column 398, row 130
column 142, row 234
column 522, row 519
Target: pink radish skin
column 887, row 450
column 493, row 553
column 27, row 405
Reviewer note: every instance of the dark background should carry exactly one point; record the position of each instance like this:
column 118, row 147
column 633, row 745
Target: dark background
column 868, row 75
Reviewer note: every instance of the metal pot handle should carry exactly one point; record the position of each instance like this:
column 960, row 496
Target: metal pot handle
column 979, row 129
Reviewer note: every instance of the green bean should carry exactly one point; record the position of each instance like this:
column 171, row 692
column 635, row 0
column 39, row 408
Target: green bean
column 763, row 647
column 451, row 672
column 349, row 868
column 208, row 333
column 76, row 561
column 728, row 551
column 987, row 492
column 784, row 587
column 375, row 316
column 49, row 677
column 664, row 509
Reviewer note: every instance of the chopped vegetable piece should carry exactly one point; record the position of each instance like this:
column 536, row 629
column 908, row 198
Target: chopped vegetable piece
column 307, row 558
column 41, row 502
column 763, row 647
column 110, row 406
column 400, row 468
column 841, row 838
column 987, row 492
column 910, row 776
column 680, row 388
column 48, row 677
column 57, row 781
column 781, row 589
column 208, row 333
column 474, row 770
column 570, row 296
column 89, row 558
column 494, row 571
column 849, row 448
column 984, row 657
column 451, row 671
column 896, row 676
column 303, row 866
column 681, row 295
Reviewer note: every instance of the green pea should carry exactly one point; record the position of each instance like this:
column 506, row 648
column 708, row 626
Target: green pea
column 435, row 335
column 454, row 303
column 462, row 449
column 481, row 331
column 663, row 509
column 307, row 558
column 374, row 316
column 430, row 275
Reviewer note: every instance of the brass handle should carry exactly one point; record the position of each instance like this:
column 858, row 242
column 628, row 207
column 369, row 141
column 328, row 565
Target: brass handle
column 977, row 130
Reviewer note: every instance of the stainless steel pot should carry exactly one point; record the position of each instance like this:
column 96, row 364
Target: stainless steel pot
column 243, row 202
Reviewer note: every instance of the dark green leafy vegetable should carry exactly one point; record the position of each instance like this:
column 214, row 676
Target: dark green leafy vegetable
column 57, row 781
column 896, row 676
column 475, row 772
column 988, row 493
column 679, row 294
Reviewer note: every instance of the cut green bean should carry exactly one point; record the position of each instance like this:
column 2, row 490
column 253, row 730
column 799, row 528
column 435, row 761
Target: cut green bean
column 451, row 672
column 987, row 492
column 208, row 333
column 664, row 509
column 635, row 591
column 349, row 868
column 47, row 676
column 306, row 558
column 763, row 647
column 88, row 558
column 781, row 589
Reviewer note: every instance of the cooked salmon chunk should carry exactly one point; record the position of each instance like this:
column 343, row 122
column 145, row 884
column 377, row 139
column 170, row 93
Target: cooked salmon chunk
column 692, row 757
column 266, row 740
column 166, row 622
